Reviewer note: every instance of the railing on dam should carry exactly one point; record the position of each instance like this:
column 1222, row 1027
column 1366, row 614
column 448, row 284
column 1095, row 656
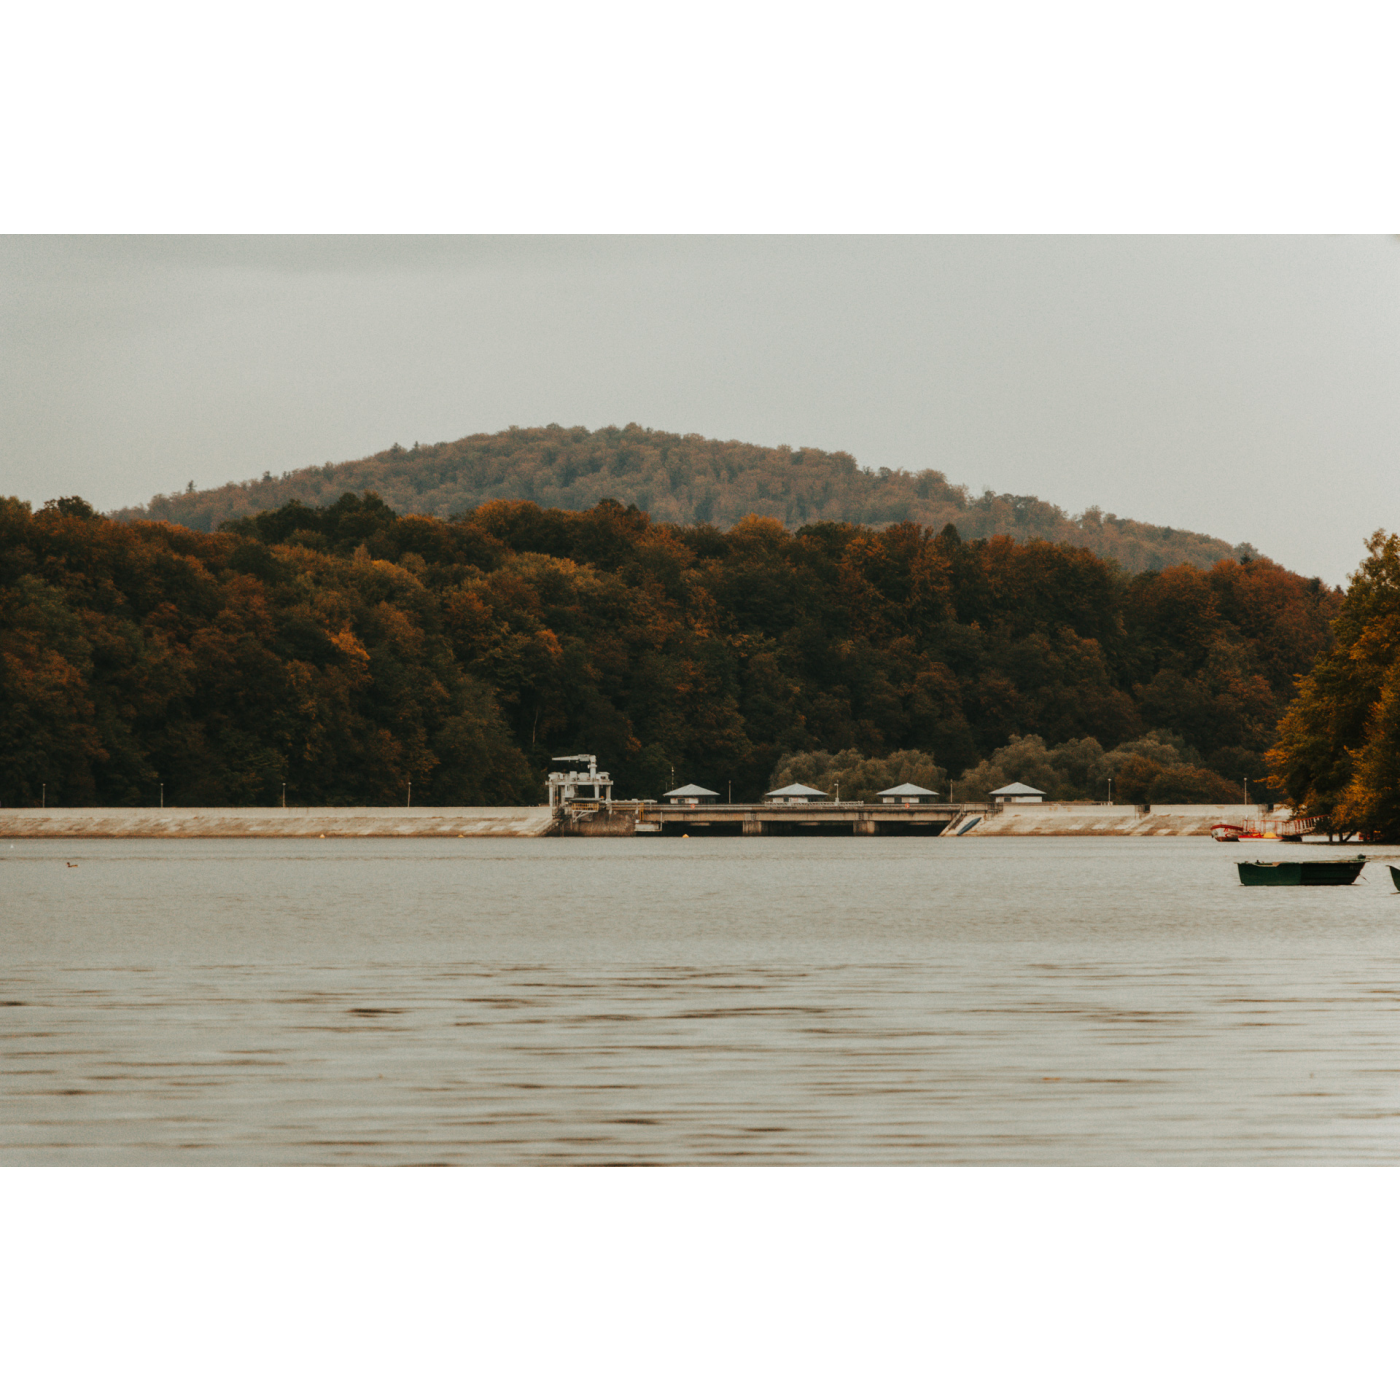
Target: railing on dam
column 766, row 818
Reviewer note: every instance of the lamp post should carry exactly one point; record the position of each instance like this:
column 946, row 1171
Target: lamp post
column 284, row 794
column 43, row 795
column 162, row 796
column 409, row 803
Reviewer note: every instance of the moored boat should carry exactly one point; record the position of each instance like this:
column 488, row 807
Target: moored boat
column 1271, row 828
column 1301, row 872
column 1228, row 831
column 1394, row 875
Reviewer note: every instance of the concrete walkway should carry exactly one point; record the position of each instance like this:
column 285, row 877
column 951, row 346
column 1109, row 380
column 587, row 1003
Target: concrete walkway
column 1087, row 819
column 274, row 821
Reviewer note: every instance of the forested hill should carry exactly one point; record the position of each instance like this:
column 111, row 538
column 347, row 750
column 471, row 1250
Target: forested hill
column 346, row 650
column 687, row 480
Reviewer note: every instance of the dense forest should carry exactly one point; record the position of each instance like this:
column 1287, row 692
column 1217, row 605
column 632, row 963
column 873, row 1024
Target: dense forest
column 1338, row 755
column 346, row 650
column 688, row 480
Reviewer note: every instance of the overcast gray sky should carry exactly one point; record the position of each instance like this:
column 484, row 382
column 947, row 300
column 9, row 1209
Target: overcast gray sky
column 1242, row 386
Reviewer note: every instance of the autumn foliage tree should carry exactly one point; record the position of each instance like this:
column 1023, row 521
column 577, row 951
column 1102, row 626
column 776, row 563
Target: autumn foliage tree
column 346, row 649
column 1338, row 751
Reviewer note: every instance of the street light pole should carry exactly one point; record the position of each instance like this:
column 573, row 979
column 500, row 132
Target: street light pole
column 409, row 803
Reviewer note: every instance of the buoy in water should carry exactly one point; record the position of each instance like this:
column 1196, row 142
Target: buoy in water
column 685, row 836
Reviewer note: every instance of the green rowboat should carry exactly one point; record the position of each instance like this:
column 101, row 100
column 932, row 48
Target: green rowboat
column 1302, row 872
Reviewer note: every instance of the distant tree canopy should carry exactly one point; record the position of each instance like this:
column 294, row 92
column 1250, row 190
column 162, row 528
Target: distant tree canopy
column 1159, row 767
column 686, row 479
column 345, row 650
column 1338, row 754
column 857, row 778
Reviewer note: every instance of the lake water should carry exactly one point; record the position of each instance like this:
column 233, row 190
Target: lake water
column 843, row 1000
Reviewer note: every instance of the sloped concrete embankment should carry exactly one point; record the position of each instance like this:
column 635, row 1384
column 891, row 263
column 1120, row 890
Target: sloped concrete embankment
column 1083, row 819
column 275, row 821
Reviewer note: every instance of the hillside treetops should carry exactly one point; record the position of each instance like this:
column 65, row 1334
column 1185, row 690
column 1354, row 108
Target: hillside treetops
column 347, row 649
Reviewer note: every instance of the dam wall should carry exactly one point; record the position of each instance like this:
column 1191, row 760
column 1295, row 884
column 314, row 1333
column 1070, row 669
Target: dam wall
column 274, row 821
column 1030, row 819
column 1088, row 819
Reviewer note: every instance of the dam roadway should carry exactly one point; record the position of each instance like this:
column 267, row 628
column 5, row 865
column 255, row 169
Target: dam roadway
column 768, row 819
column 313, row 822
column 576, row 819
column 971, row 819
column 974, row 820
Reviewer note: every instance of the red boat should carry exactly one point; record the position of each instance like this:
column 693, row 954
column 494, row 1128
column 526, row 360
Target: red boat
column 1288, row 828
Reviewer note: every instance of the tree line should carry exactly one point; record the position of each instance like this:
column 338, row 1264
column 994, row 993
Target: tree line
column 347, row 650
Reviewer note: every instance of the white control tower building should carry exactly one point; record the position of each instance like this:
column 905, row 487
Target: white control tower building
column 588, row 786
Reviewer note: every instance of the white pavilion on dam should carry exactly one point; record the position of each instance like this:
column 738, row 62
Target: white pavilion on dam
column 1016, row 792
column 689, row 796
column 796, row 792
column 906, row 794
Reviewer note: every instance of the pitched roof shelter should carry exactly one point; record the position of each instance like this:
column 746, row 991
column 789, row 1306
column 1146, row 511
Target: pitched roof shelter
column 689, row 795
column 1018, row 792
column 795, row 792
column 905, row 792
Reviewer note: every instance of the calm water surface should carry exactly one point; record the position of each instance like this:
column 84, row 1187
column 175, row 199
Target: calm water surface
column 856, row 1000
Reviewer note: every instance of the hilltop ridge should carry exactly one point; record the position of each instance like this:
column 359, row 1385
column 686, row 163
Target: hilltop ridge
column 685, row 479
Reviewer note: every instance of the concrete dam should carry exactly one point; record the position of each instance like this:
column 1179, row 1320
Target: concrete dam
column 973, row 819
column 275, row 821
column 640, row 819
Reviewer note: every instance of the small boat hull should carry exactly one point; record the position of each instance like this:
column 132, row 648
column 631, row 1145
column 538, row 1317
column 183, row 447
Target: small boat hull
column 1300, row 872
column 1394, row 875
